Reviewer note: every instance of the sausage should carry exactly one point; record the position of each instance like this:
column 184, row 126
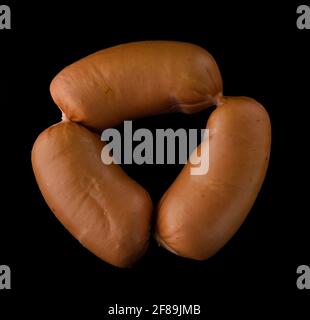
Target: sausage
column 108, row 212
column 199, row 213
column 136, row 80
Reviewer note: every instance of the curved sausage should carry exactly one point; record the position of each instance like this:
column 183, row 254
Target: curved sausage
column 136, row 80
column 99, row 204
column 199, row 213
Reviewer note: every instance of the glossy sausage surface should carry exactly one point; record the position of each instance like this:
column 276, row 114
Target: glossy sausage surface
column 199, row 213
column 136, row 80
column 99, row 204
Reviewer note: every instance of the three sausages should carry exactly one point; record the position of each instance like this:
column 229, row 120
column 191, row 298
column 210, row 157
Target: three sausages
column 107, row 211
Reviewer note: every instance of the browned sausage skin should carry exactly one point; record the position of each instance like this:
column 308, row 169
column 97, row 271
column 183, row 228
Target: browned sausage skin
column 200, row 213
column 136, row 80
column 99, row 204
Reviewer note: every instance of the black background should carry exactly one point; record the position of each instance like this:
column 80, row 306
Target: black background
column 261, row 54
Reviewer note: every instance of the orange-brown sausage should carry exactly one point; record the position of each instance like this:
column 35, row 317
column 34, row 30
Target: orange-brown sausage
column 100, row 205
column 199, row 213
column 137, row 80
column 111, row 213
